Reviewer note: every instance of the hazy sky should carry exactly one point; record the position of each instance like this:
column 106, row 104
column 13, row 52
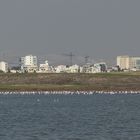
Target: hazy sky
column 101, row 29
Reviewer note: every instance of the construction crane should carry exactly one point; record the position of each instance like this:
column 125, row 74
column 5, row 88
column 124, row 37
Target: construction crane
column 70, row 55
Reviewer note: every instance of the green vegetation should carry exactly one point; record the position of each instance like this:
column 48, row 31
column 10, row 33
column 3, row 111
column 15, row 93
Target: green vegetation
column 64, row 81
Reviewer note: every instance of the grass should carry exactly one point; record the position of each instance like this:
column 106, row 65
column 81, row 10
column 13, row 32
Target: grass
column 64, row 81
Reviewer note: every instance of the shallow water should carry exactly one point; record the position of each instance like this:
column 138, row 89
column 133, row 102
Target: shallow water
column 70, row 117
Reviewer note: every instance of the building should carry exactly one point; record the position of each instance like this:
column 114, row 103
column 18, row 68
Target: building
column 73, row 69
column 61, row 69
column 4, row 66
column 94, row 68
column 29, row 60
column 45, row 68
column 29, row 64
column 89, row 69
column 135, row 63
column 128, row 62
column 123, row 62
column 101, row 67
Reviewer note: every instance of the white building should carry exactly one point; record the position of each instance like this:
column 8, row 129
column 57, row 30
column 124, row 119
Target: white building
column 123, row 62
column 4, row 66
column 29, row 60
column 29, row 63
column 67, row 69
column 102, row 66
column 73, row 69
column 135, row 63
column 95, row 68
column 128, row 62
column 61, row 68
column 45, row 68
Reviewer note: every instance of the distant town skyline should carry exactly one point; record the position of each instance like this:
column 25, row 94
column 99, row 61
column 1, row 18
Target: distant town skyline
column 101, row 29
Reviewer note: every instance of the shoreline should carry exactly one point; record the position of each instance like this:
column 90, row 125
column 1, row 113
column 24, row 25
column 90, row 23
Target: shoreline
column 67, row 92
column 64, row 83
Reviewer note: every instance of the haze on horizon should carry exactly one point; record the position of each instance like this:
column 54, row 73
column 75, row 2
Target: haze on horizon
column 101, row 29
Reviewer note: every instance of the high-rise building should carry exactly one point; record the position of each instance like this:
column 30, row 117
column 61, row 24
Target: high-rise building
column 123, row 62
column 29, row 60
column 29, row 63
column 128, row 62
column 135, row 62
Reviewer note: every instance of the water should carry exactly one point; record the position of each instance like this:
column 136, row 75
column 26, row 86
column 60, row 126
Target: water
column 69, row 117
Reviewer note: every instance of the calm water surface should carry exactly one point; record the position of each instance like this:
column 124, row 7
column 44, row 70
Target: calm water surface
column 69, row 117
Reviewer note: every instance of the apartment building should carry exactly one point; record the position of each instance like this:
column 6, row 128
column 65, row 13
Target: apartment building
column 128, row 62
column 123, row 62
column 29, row 64
column 4, row 66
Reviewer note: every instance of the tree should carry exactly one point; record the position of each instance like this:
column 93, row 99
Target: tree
column 1, row 71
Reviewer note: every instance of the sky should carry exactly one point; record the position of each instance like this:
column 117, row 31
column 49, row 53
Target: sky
column 101, row 29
